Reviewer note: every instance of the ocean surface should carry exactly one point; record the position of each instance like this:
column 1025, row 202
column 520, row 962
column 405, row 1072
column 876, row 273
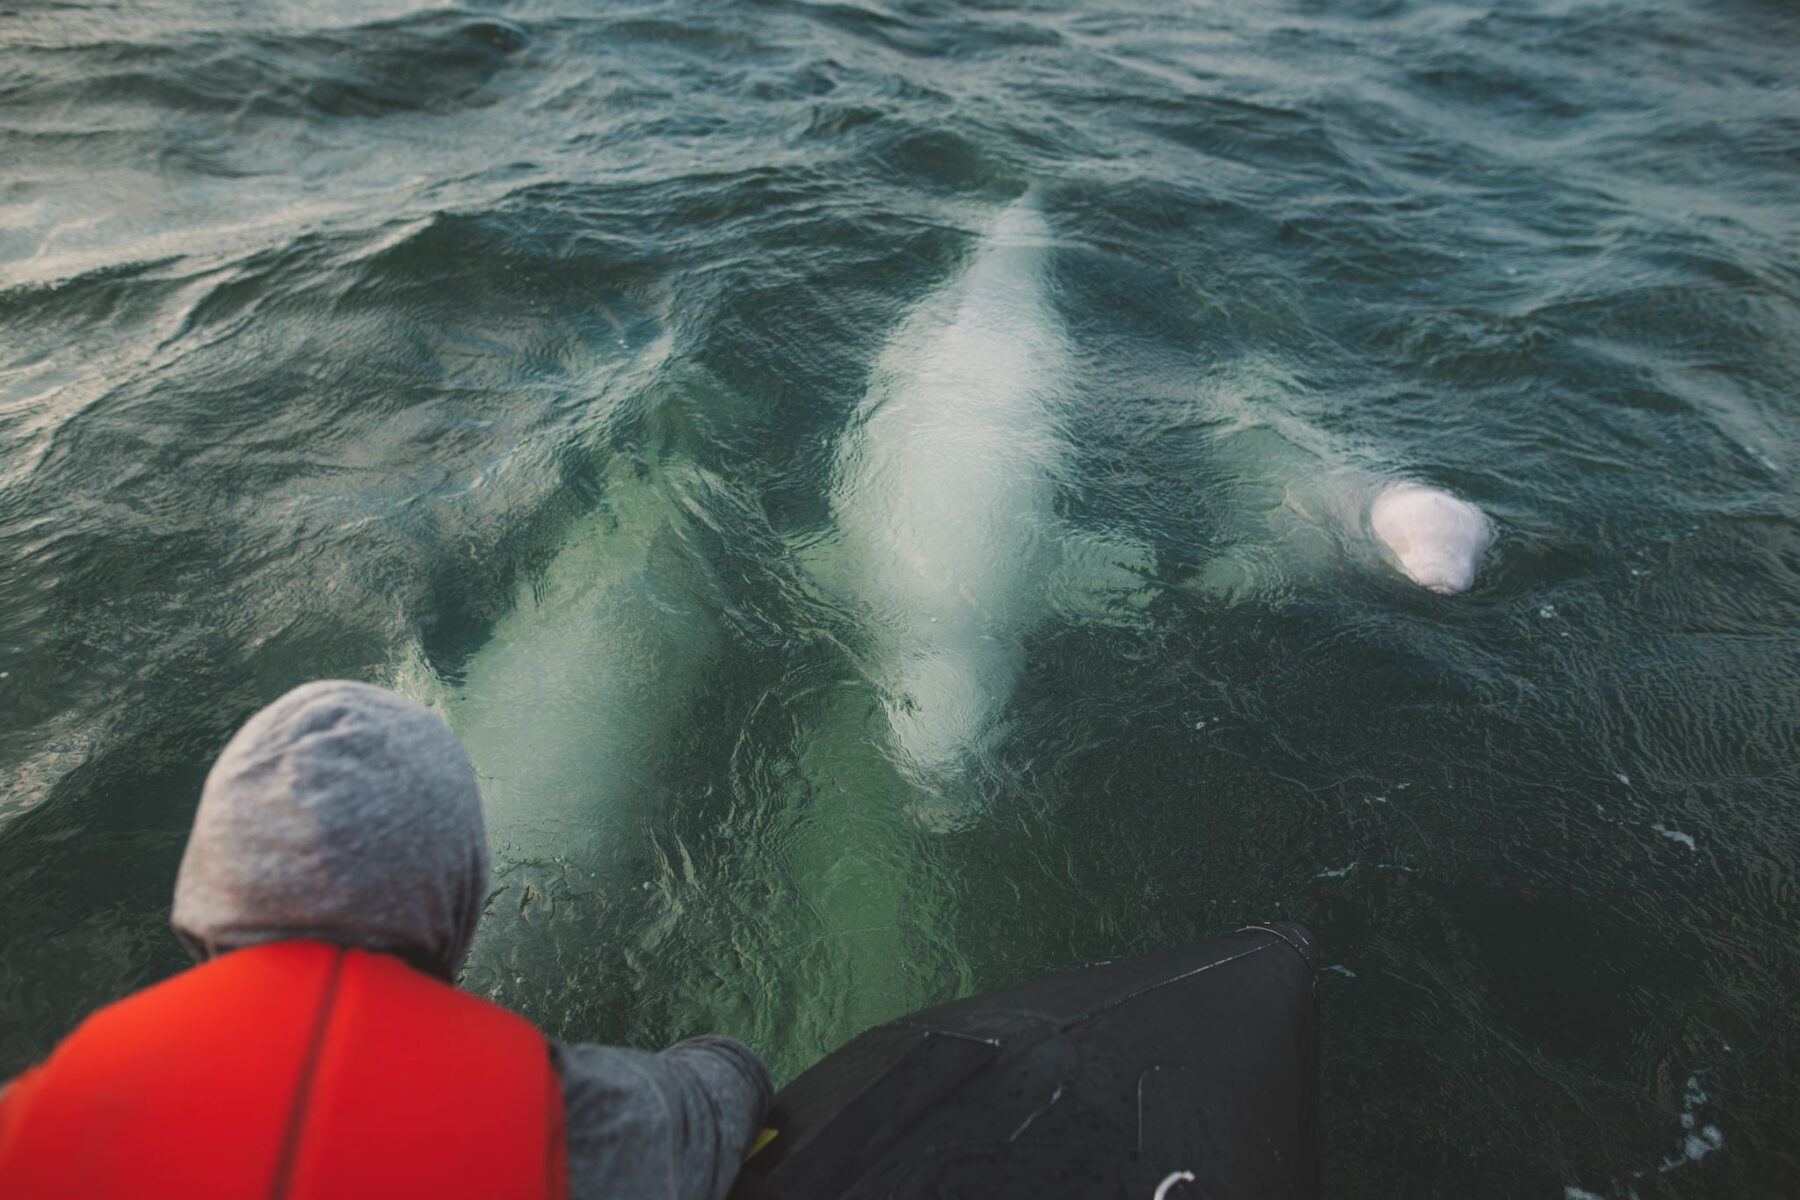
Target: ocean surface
column 509, row 355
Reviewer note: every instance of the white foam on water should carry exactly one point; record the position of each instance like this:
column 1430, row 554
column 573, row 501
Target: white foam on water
column 1675, row 835
column 1699, row 1140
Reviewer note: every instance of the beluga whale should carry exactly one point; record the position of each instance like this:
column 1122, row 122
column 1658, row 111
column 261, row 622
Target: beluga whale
column 569, row 713
column 1312, row 500
column 1426, row 534
column 1436, row 539
column 943, row 492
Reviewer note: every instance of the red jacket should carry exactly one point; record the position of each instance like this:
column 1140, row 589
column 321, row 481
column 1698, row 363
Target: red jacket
column 294, row 1070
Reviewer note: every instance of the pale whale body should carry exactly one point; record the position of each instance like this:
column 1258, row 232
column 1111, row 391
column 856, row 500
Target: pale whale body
column 566, row 712
column 943, row 493
column 1305, row 501
column 563, row 709
column 1426, row 534
column 1435, row 538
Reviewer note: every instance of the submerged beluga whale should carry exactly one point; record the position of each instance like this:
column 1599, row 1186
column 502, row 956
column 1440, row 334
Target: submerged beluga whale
column 1320, row 504
column 568, row 711
column 943, row 494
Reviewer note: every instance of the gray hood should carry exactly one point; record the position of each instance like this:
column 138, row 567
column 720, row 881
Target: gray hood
column 340, row 812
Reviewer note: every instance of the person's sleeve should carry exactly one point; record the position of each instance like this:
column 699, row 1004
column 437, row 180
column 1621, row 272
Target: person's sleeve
column 668, row 1126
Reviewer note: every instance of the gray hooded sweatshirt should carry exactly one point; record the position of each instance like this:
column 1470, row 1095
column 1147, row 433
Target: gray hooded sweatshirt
column 348, row 814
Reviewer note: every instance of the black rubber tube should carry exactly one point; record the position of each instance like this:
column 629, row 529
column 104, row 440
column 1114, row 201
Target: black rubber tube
column 1192, row 1073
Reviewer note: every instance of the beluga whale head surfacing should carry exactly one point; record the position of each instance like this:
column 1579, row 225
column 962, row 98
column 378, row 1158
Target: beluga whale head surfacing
column 1300, row 502
column 1434, row 538
column 944, row 490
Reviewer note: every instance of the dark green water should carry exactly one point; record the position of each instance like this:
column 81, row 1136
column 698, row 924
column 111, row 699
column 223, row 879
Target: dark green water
column 504, row 354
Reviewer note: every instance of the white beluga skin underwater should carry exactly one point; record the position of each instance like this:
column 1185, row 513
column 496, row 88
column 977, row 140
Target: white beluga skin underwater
column 566, row 710
column 943, row 493
column 561, row 709
column 943, row 552
column 1319, row 505
column 1424, row 533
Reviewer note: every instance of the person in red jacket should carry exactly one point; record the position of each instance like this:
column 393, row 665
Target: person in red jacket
column 329, row 891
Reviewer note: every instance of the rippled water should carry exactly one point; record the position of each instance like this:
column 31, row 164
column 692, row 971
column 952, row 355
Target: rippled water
column 515, row 356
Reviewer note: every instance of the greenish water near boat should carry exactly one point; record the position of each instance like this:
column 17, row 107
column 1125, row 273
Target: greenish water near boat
column 506, row 354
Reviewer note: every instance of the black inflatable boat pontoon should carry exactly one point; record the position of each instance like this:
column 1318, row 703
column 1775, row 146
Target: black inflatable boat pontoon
column 1189, row 1074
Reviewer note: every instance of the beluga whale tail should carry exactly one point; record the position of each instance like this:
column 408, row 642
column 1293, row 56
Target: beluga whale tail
column 943, row 494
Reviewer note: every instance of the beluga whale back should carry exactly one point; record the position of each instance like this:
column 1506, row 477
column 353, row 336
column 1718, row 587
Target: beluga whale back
column 943, row 493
